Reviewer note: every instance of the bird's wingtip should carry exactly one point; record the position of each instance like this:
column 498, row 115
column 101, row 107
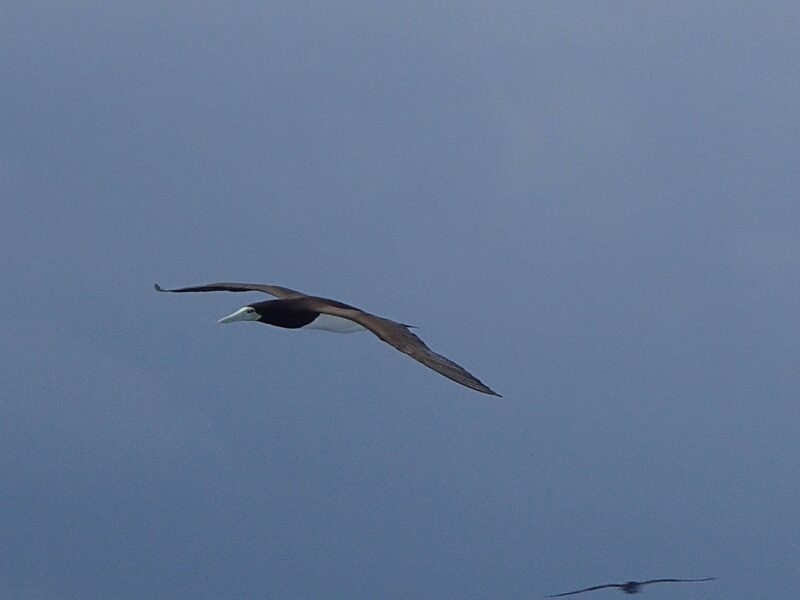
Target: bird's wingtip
column 157, row 287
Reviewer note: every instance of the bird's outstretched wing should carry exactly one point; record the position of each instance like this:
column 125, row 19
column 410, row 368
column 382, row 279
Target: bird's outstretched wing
column 674, row 580
column 272, row 290
column 397, row 335
column 589, row 589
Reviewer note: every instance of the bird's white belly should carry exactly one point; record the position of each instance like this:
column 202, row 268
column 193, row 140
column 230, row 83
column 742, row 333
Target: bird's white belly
column 334, row 324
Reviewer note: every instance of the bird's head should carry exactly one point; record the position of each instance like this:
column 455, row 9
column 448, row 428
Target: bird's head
column 632, row 587
column 246, row 313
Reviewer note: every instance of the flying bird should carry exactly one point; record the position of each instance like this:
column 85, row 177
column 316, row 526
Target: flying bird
column 296, row 310
column 629, row 587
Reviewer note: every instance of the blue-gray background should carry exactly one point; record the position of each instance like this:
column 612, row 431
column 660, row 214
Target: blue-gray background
column 592, row 206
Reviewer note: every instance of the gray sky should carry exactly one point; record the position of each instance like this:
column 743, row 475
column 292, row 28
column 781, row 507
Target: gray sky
column 591, row 206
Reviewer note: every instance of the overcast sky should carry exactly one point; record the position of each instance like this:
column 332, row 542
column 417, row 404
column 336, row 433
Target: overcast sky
column 593, row 206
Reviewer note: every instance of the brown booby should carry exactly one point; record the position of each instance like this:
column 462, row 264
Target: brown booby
column 629, row 587
column 296, row 310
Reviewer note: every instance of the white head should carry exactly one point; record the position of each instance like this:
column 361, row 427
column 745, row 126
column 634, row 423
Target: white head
column 246, row 313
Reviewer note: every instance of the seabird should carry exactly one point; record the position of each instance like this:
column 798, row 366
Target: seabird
column 296, row 310
column 629, row 587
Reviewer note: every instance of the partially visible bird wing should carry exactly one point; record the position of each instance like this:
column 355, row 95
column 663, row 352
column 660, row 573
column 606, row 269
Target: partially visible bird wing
column 673, row 580
column 272, row 290
column 589, row 589
column 397, row 335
